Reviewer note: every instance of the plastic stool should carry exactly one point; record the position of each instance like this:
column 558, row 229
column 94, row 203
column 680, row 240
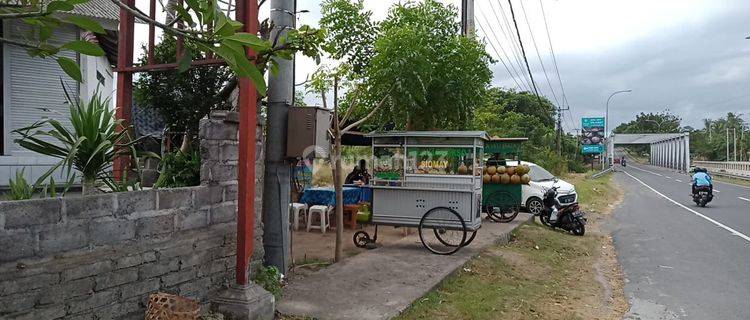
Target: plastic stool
column 297, row 209
column 323, row 212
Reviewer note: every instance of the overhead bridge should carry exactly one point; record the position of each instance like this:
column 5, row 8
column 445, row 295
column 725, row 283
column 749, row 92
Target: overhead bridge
column 669, row 150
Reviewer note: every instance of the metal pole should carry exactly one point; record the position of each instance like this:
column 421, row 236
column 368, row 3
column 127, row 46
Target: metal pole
column 247, row 12
column 734, row 135
column 606, row 112
column 277, row 180
column 727, row 127
column 467, row 17
column 687, row 152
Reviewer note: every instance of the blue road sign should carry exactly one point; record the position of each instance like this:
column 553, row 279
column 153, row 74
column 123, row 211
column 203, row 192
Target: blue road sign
column 592, row 122
column 592, row 148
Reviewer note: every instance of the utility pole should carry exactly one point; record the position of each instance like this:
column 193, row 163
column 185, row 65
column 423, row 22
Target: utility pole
column 727, row 127
column 277, row 180
column 559, row 129
column 734, row 135
column 467, row 17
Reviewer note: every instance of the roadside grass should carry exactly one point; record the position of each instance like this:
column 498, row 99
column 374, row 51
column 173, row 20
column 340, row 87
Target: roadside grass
column 540, row 274
column 741, row 182
column 594, row 195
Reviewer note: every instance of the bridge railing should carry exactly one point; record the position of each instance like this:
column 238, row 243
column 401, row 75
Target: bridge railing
column 737, row 169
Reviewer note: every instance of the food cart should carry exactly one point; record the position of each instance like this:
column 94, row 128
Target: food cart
column 431, row 180
column 501, row 195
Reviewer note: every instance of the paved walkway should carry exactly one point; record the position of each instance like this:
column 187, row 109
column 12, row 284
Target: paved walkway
column 382, row 283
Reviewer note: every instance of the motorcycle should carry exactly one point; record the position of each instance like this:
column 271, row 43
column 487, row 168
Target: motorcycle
column 622, row 162
column 702, row 196
column 569, row 217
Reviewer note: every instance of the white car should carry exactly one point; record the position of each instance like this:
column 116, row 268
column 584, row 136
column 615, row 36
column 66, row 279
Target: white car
column 541, row 181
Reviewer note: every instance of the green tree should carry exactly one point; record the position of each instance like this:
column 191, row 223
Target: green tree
column 663, row 122
column 434, row 76
column 182, row 98
column 710, row 142
column 507, row 113
column 351, row 33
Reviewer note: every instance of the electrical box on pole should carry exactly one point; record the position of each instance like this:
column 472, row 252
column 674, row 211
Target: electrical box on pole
column 308, row 132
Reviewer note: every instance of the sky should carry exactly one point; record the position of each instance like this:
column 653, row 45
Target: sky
column 686, row 56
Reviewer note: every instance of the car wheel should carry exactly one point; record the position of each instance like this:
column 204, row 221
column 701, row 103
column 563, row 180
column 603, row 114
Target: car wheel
column 534, row 206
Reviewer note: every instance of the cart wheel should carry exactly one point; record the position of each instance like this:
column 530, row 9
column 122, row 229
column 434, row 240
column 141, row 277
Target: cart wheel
column 502, row 214
column 361, row 239
column 502, row 206
column 439, row 236
column 448, row 231
column 471, row 238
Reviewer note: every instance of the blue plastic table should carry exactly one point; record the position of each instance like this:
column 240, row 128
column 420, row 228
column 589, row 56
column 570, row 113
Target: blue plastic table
column 327, row 196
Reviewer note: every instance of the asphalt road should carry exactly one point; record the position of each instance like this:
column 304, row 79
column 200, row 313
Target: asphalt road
column 682, row 261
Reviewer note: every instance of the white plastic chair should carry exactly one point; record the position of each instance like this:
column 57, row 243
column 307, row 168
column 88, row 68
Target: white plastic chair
column 322, row 212
column 297, row 209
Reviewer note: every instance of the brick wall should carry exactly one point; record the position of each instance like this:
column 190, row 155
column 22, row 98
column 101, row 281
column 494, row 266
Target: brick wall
column 99, row 257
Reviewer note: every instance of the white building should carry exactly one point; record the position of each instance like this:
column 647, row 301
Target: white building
column 30, row 88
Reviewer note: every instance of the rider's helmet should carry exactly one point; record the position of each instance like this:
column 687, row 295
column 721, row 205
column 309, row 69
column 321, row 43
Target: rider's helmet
column 550, row 194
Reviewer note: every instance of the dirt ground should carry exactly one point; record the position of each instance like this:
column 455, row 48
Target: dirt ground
column 313, row 250
column 609, row 302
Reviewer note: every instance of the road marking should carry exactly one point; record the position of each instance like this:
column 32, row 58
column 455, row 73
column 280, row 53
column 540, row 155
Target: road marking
column 668, row 177
column 741, row 198
column 716, row 190
column 644, row 170
column 678, row 180
column 725, row 227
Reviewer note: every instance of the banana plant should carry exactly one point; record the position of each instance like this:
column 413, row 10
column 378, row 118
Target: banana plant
column 91, row 144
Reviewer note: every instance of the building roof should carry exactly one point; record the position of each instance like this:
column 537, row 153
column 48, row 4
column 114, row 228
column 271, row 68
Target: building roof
column 102, row 9
column 502, row 139
column 432, row 134
column 644, row 138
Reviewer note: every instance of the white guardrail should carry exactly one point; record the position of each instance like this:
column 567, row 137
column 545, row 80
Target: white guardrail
column 735, row 169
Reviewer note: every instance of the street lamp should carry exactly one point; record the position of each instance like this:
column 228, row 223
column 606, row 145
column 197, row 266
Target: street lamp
column 606, row 125
column 606, row 113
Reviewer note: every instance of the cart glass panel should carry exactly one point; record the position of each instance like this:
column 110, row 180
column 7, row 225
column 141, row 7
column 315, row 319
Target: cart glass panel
column 388, row 163
column 440, row 160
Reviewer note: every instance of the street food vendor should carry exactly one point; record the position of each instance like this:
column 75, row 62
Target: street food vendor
column 359, row 174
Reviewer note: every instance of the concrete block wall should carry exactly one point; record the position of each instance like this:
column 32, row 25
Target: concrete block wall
column 100, row 256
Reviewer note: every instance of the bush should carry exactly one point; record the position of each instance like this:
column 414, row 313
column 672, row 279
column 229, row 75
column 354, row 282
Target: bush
column 548, row 159
column 180, row 169
column 577, row 166
column 89, row 145
column 270, row 279
column 20, row 189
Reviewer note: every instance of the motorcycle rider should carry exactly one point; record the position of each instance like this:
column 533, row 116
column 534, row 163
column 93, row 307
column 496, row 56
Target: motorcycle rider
column 550, row 201
column 701, row 179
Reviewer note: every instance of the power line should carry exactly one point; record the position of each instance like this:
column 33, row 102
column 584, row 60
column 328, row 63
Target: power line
column 523, row 51
column 539, row 56
column 510, row 35
column 517, row 74
column 498, row 55
column 554, row 59
column 513, row 46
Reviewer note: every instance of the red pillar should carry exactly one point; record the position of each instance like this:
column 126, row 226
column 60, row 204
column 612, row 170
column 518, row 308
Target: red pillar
column 124, row 100
column 248, row 99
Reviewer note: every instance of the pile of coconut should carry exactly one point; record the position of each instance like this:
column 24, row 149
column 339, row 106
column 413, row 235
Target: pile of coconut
column 507, row 175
